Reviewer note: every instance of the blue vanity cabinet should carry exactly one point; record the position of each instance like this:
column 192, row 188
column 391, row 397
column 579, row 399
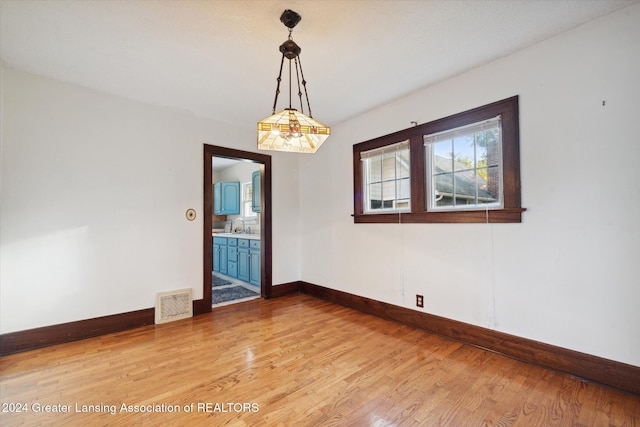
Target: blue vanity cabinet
column 232, row 257
column 226, row 198
column 254, row 262
column 220, row 254
column 249, row 261
column 255, row 192
column 243, row 260
column 238, row 258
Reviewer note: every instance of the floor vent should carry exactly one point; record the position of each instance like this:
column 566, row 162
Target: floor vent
column 173, row 305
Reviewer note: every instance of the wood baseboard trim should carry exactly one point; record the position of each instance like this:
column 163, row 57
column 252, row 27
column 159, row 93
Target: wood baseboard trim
column 15, row 342
column 606, row 372
column 591, row 368
column 199, row 307
column 285, row 289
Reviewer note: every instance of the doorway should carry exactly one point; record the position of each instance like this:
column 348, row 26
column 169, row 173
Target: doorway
column 264, row 161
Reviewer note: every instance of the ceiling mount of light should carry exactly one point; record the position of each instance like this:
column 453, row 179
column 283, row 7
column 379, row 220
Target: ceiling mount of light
column 290, row 129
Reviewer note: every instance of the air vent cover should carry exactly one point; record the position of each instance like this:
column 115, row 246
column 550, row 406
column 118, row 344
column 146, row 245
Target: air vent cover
column 173, row 305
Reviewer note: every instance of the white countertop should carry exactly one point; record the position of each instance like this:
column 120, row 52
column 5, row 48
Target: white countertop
column 238, row 235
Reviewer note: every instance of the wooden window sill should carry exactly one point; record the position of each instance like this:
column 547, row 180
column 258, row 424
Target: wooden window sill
column 506, row 215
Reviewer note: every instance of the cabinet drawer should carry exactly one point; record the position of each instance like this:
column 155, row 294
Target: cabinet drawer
column 232, row 242
column 232, row 269
column 255, row 244
column 243, row 243
column 233, row 254
column 220, row 240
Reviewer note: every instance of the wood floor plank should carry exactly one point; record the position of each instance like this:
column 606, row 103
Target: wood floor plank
column 295, row 360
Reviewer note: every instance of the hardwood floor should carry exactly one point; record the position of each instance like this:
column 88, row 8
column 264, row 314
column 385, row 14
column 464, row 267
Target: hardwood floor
column 295, row 360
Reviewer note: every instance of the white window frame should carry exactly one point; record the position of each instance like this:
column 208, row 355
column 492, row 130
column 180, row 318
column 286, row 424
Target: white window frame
column 366, row 157
column 247, row 212
column 452, row 134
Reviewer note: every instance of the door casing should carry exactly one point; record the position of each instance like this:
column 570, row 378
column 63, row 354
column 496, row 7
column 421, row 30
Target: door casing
column 211, row 151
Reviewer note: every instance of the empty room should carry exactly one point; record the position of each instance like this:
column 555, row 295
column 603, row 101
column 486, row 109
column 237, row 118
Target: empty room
column 314, row 213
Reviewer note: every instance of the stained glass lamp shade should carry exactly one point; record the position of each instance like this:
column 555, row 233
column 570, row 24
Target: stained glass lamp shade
column 290, row 130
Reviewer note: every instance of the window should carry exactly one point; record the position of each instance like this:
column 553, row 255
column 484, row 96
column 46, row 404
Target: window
column 247, row 198
column 462, row 168
column 386, row 174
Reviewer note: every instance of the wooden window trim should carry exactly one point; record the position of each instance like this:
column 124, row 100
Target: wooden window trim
column 510, row 213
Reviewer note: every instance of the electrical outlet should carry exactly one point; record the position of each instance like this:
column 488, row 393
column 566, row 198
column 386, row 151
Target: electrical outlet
column 419, row 301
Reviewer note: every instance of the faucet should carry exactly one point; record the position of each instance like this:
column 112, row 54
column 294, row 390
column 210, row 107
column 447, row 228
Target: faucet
column 235, row 228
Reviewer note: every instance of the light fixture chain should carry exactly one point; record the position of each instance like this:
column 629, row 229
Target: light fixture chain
column 289, row 84
column 298, row 81
column 275, row 101
column 304, row 84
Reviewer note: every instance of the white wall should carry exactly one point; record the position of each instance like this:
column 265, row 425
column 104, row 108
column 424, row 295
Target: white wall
column 569, row 274
column 94, row 194
column 241, row 172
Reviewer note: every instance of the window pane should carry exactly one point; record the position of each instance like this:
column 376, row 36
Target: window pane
column 374, row 169
column 403, row 189
column 375, row 191
column 481, row 152
column 402, row 165
column 488, row 147
column 247, row 197
column 443, row 151
column 465, row 166
column 484, row 197
column 389, row 190
column 376, row 204
column 387, row 177
column 489, row 184
column 388, row 166
column 465, row 188
column 444, row 190
column 463, row 149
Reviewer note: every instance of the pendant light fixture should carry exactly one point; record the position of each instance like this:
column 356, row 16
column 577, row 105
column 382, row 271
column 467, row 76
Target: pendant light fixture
column 290, row 129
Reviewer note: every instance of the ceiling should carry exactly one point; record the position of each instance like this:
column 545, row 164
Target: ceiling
column 219, row 58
